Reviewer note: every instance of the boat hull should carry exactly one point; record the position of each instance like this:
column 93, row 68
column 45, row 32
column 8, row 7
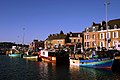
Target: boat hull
column 97, row 63
column 54, row 57
column 14, row 55
column 30, row 57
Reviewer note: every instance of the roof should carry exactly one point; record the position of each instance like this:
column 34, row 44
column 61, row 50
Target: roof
column 56, row 36
column 98, row 26
column 111, row 23
column 75, row 34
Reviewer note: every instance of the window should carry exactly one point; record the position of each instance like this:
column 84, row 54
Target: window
column 115, row 26
column 87, row 29
column 102, row 44
column 118, row 45
column 70, row 40
column 93, row 29
column 85, row 43
column 59, row 41
column 43, row 53
column 74, row 40
column 93, row 37
column 101, row 35
column 108, row 27
column 88, row 44
column 87, row 36
column 78, row 40
column 114, row 43
column 108, row 44
column 115, row 34
column 78, row 35
column 108, row 34
column 93, row 43
column 101, row 28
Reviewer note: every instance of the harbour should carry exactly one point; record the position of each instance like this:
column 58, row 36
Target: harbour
column 59, row 40
column 22, row 69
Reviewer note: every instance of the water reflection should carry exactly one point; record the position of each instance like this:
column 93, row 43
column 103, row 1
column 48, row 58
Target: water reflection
column 21, row 69
column 92, row 74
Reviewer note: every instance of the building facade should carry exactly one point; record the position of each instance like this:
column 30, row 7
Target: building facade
column 56, row 40
column 35, row 45
column 95, row 36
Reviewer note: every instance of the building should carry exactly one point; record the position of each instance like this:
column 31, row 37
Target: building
column 95, row 36
column 35, row 45
column 76, row 38
column 6, row 46
column 56, row 40
column 113, row 34
column 91, row 36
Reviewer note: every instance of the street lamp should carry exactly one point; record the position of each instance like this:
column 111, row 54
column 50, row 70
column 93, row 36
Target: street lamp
column 23, row 35
column 106, row 3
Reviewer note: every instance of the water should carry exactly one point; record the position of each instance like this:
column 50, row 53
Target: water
column 21, row 69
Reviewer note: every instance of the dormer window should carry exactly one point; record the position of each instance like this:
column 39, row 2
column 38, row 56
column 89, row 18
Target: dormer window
column 78, row 35
column 101, row 28
column 93, row 29
column 87, row 29
column 115, row 26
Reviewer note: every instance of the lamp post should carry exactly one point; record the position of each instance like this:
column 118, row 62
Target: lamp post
column 23, row 35
column 23, row 40
column 106, row 3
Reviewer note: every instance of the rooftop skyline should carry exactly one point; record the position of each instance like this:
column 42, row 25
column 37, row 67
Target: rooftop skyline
column 36, row 19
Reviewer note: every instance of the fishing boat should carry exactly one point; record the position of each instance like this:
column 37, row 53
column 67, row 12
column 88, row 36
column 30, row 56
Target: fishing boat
column 106, row 61
column 30, row 57
column 14, row 52
column 58, row 57
column 47, row 55
column 94, row 63
column 15, row 55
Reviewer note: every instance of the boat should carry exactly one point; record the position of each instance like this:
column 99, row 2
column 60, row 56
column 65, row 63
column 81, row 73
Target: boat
column 15, row 55
column 14, row 52
column 104, row 61
column 58, row 57
column 94, row 63
column 30, row 57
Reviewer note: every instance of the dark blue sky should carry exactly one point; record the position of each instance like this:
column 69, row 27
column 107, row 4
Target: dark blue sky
column 43, row 17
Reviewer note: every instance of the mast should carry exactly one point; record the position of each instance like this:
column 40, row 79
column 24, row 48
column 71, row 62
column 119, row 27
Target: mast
column 106, row 3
